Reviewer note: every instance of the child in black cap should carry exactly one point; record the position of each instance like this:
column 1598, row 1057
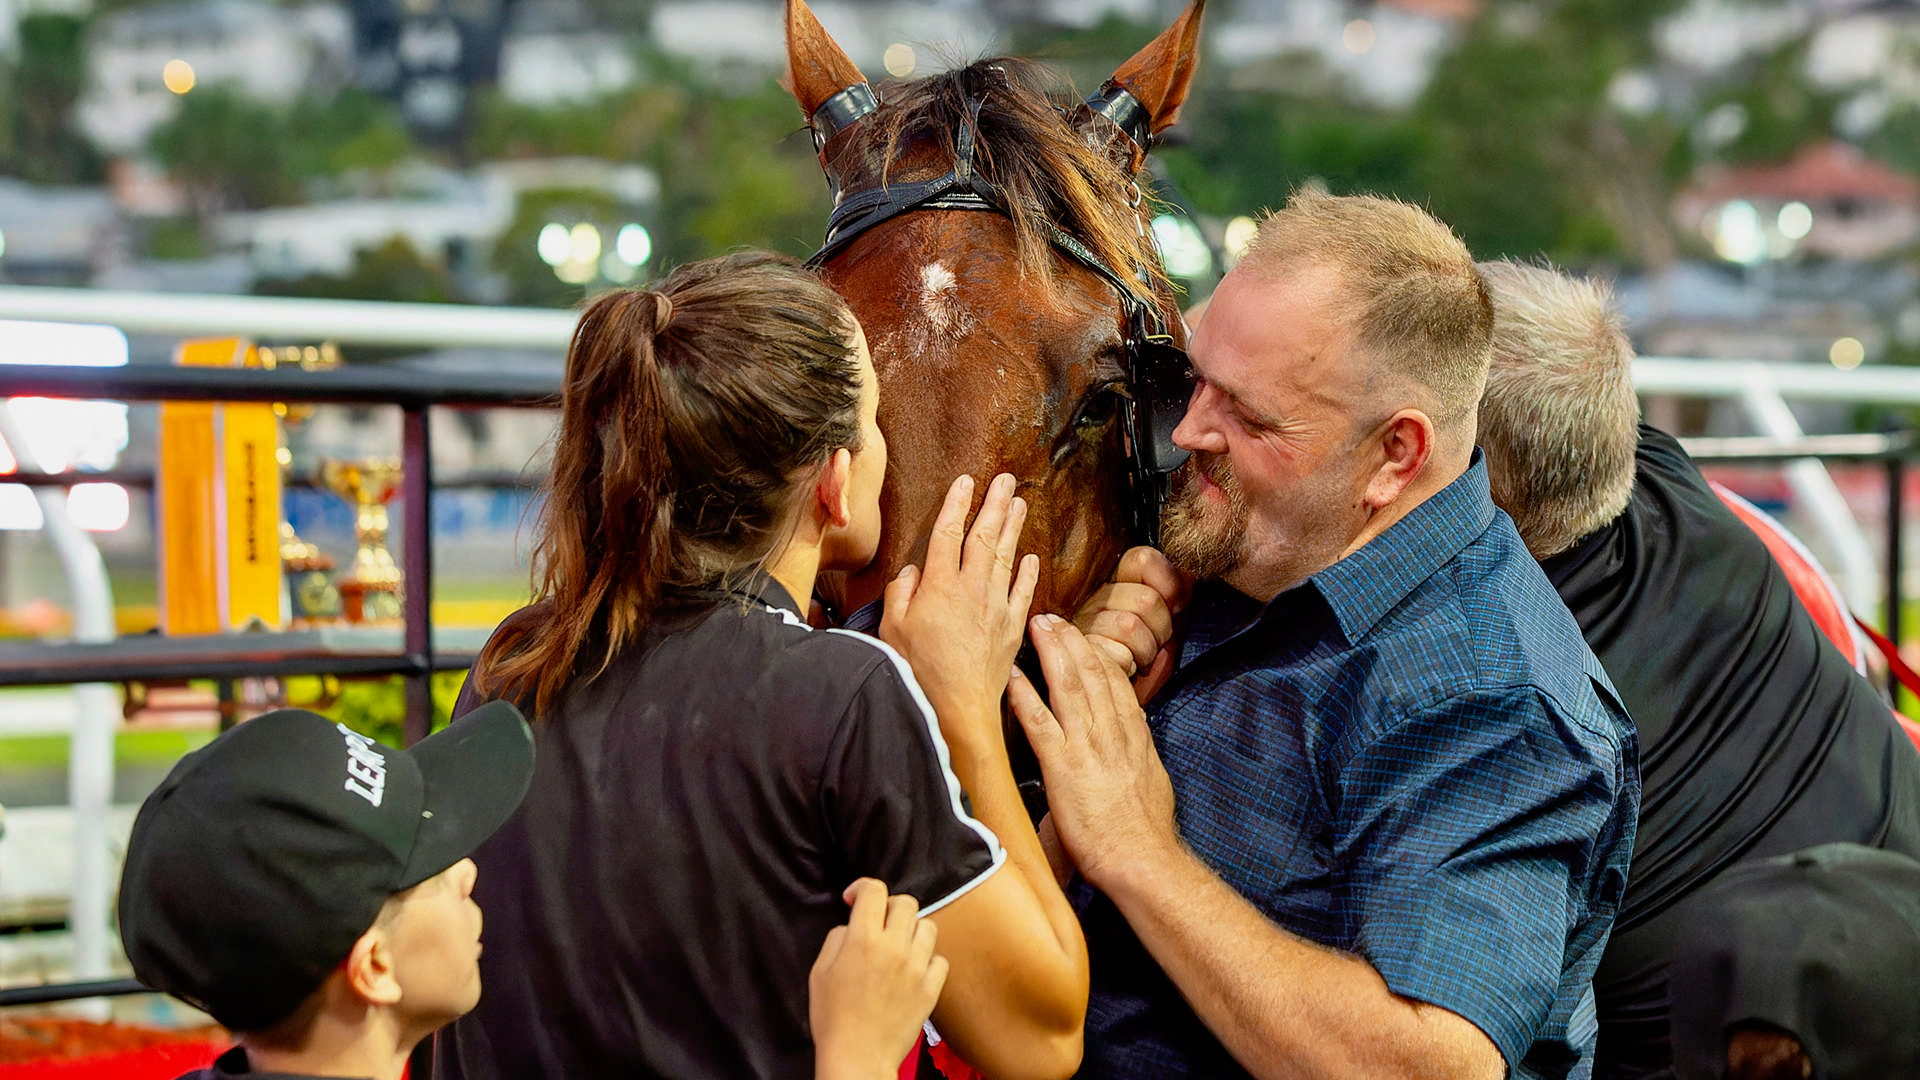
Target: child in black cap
column 312, row 891
column 311, row 888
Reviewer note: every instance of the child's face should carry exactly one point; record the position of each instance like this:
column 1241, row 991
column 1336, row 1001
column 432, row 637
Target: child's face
column 435, row 937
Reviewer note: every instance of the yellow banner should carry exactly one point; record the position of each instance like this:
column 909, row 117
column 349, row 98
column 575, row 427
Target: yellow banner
column 251, row 480
column 219, row 488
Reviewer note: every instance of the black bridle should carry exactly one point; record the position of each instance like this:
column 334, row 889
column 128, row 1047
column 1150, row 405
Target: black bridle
column 1159, row 377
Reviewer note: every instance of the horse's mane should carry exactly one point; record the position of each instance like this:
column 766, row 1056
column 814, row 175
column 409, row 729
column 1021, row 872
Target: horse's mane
column 1023, row 146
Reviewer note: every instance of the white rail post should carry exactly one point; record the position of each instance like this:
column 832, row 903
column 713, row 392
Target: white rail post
column 1858, row 572
column 96, row 715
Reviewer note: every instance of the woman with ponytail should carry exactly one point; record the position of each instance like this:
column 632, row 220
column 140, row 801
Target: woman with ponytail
column 712, row 774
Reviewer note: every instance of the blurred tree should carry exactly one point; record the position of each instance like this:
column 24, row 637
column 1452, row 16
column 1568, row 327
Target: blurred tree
column 352, row 132
column 234, row 152
column 1247, row 151
column 1530, row 154
column 741, row 170
column 37, row 139
column 1780, row 110
column 228, row 150
column 396, row 270
column 1558, row 130
column 1897, row 139
column 620, row 127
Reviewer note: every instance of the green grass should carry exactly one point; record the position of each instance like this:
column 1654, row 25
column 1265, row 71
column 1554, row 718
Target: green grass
column 40, row 752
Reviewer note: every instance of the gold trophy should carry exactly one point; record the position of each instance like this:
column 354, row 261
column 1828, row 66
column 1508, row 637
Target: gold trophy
column 312, row 598
column 370, row 588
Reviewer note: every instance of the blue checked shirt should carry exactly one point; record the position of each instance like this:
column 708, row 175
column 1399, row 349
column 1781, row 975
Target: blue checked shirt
column 1413, row 757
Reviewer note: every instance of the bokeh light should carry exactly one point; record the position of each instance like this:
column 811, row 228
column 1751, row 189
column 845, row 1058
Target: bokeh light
column 1239, row 235
column 178, row 76
column 1847, row 353
column 1738, row 236
column 584, row 243
column 553, row 244
column 633, row 244
column 1357, row 36
column 1182, row 248
column 1796, row 220
column 899, row 60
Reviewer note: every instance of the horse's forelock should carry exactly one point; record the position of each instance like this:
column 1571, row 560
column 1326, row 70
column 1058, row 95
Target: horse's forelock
column 1025, row 147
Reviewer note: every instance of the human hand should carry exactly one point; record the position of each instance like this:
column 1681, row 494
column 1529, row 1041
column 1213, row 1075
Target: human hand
column 1107, row 793
column 959, row 622
column 1131, row 617
column 875, row 982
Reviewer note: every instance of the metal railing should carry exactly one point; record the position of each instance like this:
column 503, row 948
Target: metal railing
column 411, row 655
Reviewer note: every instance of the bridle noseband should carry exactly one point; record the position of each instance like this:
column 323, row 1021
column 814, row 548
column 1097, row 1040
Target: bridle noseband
column 1159, row 378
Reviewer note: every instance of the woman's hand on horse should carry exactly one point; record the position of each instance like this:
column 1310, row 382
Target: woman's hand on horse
column 1131, row 617
column 960, row 620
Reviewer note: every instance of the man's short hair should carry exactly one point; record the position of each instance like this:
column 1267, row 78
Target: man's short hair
column 1420, row 307
column 1559, row 421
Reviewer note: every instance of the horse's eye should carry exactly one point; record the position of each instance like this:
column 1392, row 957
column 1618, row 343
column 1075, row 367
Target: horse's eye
column 1099, row 407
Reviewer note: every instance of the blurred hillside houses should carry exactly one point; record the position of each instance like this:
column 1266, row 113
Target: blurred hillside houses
column 1751, row 159
column 270, row 53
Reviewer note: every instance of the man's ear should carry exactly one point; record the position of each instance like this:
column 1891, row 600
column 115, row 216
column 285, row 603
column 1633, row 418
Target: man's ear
column 1406, row 442
column 369, row 969
column 832, row 490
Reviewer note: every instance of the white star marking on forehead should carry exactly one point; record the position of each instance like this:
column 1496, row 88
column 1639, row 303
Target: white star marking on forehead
column 939, row 298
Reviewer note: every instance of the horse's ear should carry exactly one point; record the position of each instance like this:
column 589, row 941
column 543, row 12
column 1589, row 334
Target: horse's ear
column 1160, row 74
column 817, row 68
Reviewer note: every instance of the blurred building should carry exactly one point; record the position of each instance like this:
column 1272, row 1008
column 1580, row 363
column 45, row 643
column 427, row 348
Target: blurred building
column 556, row 52
column 1830, row 201
column 1384, row 52
column 427, row 56
column 450, row 217
column 897, row 39
column 270, row 52
column 55, row 235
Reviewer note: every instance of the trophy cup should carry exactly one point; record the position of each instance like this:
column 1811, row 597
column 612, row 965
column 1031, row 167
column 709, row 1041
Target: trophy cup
column 312, row 598
column 370, row 587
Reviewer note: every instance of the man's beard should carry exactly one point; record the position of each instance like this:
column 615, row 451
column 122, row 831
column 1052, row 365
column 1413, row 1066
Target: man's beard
column 1202, row 542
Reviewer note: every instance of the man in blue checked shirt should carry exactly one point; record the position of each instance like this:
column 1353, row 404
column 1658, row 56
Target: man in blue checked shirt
column 1398, row 796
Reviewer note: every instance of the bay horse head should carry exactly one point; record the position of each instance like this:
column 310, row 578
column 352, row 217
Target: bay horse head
column 1022, row 340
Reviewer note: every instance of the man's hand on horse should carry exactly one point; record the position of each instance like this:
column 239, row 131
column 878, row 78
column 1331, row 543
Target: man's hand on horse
column 1108, row 795
column 959, row 622
column 1131, row 617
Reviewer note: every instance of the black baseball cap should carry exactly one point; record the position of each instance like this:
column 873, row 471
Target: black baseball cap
column 264, row 855
column 1824, row 943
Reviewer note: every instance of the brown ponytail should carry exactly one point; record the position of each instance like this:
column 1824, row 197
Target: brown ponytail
column 691, row 415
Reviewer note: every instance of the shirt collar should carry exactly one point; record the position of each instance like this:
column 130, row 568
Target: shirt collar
column 1362, row 587
column 764, row 589
column 758, row 588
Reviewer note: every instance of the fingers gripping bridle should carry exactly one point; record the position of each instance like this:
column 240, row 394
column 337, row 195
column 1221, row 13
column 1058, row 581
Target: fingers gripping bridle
column 1159, row 378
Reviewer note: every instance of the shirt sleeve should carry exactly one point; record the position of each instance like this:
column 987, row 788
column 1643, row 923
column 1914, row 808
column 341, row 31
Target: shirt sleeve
column 1487, row 851
column 892, row 798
